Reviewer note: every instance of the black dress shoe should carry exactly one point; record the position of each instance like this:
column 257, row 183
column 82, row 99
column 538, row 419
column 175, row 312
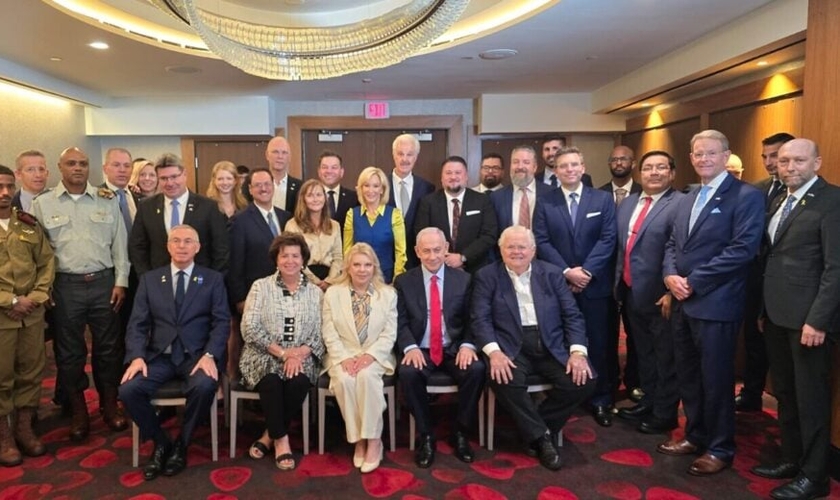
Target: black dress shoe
column 635, row 412
column 158, row 461
column 801, row 488
column 747, row 403
column 547, row 453
column 603, row 415
column 425, row 454
column 177, row 460
column 784, row 470
column 463, row 450
column 655, row 425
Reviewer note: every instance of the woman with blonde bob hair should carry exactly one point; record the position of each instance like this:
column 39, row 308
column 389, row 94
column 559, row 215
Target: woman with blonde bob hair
column 322, row 234
column 143, row 181
column 376, row 223
column 226, row 188
column 359, row 328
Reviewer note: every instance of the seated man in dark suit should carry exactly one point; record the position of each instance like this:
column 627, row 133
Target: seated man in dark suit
column 433, row 337
column 178, row 329
column 526, row 321
column 147, row 243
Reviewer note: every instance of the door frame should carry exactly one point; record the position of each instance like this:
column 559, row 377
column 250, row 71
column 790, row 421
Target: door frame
column 453, row 124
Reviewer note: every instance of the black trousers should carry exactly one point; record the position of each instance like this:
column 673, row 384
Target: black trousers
column 755, row 350
column 137, row 393
column 654, row 342
column 801, row 382
column 532, row 421
column 85, row 301
column 470, row 384
column 281, row 401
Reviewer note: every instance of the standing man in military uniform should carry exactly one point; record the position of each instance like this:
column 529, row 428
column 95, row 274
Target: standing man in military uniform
column 89, row 238
column 27, row 269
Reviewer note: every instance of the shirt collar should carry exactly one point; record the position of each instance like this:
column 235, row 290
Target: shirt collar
column 627, row 187
column 113, row 187
column 800, row 193
column 427, row 275
column 188, row 270
column 579, row 191
column 717, row 181
column 409, row 179
column 459, row 197
column 526, row 275
column 61, row 189
column 182, row 200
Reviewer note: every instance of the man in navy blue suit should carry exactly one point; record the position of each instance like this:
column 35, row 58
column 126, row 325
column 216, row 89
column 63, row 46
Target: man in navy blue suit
column 526, row 321
column 407, row 189
column 716, row 234
column 510, row 205
column 178, row 329
column 339, row 199
column 427, row 344
column 575, row 230
column 644, row 227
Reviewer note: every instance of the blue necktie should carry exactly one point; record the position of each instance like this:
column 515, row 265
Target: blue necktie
column 271, row 224
column 174, row 220
column 126, row 214
column 177, row 355
column 699, row 203
column 573, row 207
column 785, row 212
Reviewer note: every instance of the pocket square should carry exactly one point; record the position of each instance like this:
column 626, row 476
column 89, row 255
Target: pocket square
column 473, row 212
column 715, row 210
column 592, row 214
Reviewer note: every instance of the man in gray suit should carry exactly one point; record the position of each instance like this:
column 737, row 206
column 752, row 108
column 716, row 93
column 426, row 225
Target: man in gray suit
column 644, row 227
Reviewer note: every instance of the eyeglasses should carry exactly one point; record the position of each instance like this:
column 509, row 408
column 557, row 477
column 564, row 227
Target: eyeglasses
column 167, row 178
column 185, row 241
column 492, row 168
column 616, row 159
column 700, row 156
column 660, row 167
column 73, row 163
column 34, row 170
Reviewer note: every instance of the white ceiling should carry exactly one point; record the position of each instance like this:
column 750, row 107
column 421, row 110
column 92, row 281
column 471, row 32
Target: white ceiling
column 574, row 46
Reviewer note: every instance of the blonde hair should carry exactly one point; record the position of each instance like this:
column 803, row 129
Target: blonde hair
column 303, row 215
column 362, row 249
column 239, row 200
column 136, row 168
column 365, row 175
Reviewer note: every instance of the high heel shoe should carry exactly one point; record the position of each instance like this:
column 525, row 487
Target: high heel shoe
column 372, row 466
column 358, row 460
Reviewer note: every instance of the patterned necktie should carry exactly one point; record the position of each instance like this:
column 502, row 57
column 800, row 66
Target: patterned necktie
column 699, row 203
column 175, row 219
column 126, row 213
column 573, row 207
column 361, row 314
column 177, row 354
column 553, row 180
column 435, row 323
column 404, row 200
column 524, row 209
column 785, row 213
column 456, row 219
column 632, row 240
column 620, row 194
column 271, row 225
column 332, row 205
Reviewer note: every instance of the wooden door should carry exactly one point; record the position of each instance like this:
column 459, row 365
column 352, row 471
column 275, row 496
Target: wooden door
column 250, row 153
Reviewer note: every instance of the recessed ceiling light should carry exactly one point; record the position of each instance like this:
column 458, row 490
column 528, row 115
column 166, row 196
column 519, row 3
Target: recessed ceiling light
column 367, row 80
column 646, row 104
column 762, row 63
column 55, row 59
column 467, row 58
column 496, row 54
column 182, row 70
column 591, row 58
column 99, row 45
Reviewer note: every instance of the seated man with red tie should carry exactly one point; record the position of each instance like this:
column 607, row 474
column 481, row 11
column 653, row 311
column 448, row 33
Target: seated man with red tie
column 178, row 329
column 432, row 337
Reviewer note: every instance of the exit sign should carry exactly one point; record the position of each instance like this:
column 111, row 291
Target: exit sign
column 377, row 110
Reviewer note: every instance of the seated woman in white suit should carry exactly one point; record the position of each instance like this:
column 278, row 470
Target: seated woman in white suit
column 360, row 327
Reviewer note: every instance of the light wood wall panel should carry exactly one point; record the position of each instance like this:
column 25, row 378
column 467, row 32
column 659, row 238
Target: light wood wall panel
column 673, row 138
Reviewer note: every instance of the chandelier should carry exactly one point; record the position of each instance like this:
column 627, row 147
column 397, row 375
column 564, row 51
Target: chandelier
column 314, row 53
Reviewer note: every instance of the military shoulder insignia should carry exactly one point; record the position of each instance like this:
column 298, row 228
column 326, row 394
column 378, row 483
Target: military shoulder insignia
column 26, row 218
column 106, row 193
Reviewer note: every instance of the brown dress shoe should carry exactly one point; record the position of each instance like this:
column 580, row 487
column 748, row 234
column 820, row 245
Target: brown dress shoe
column 707, row 465
column 677, row 448
column 25, row 436
column 80, row 421
column 9, row 453
column 112, row 412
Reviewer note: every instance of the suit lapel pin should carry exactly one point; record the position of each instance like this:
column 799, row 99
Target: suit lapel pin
column 190, row 207
column 198, row 279
column 163, row 279
column 158, row 211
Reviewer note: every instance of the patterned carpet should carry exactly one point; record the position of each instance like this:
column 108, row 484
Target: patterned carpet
column 599, row 463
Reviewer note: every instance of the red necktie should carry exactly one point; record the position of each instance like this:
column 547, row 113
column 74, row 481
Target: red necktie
column 435, row 326
column 632, row 239
column 524, row 209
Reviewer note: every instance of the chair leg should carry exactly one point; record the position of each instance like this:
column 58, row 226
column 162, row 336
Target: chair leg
column 322, row 397
column 305, row 425
column 214, row 428
column 411, row 431
column 135, row 445
column 233, row 403
column 481, row 416
column 226, row 391
column 491, row 418
column 392, row 412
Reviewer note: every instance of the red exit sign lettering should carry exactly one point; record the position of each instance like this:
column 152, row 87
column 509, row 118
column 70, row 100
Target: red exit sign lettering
column 377, row 110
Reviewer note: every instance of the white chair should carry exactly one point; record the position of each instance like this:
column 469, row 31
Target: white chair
column 390, row 397
column 171, row 394
column 441, row 383
column 535, row 384
column 237, row 393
